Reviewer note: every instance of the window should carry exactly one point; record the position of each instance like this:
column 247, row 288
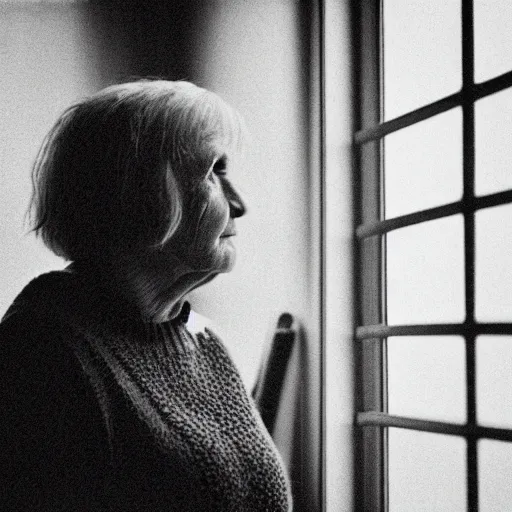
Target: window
column 434, row 235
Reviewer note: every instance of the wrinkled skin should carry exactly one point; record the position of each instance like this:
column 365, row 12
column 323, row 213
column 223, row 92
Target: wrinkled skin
column 204, row 241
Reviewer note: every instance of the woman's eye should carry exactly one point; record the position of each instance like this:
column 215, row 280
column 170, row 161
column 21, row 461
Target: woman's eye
column 219, row 167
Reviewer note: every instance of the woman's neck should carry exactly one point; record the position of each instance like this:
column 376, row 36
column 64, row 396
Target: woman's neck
column 156, row 288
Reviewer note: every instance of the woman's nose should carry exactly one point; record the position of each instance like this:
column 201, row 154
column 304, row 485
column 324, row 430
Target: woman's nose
column 237, row 206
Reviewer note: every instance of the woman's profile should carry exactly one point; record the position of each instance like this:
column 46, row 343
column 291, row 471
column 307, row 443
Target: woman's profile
column 114, row 395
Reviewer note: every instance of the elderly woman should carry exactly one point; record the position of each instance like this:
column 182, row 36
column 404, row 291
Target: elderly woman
column 113, row 395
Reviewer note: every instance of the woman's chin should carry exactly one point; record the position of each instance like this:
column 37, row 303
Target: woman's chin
column 230, row 265
column 228, row 261
column 227, row 255
column 220, row 260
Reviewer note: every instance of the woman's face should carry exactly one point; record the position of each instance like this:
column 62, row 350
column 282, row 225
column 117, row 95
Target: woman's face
column 211, row 204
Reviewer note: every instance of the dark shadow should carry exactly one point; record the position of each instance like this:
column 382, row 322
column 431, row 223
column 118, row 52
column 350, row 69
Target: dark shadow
column 154, row 39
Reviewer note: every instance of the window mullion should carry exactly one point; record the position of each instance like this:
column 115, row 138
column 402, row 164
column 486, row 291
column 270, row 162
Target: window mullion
column 374, row 418
column 470, row 93
column 372, row 466
column 469, row 243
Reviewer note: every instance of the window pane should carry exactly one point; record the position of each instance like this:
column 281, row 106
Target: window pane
column 423, row 165
column 493, row 38
column 494, row 475
column 494, row 381
column 422, row 53
column 427, row 472
column 426, row 377
column 425, row 273
column 493, row 151
column 493, row 271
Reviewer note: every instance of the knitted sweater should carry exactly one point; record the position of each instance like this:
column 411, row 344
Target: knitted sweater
column 103, row 412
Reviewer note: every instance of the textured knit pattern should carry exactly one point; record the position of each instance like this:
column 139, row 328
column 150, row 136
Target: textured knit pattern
column 186, row 392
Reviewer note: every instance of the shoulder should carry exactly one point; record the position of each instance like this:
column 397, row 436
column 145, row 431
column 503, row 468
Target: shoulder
column 40, row 374
column 51, row 427
column 37, row 364
column 41, row 294
column 30, row 330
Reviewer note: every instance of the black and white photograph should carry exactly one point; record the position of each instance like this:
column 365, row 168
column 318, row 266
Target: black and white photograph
column 254, row 255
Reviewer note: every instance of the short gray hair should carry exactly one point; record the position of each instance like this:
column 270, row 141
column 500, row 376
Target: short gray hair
column 105, row 176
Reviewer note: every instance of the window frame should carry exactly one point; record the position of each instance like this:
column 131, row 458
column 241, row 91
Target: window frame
column 372, row 418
